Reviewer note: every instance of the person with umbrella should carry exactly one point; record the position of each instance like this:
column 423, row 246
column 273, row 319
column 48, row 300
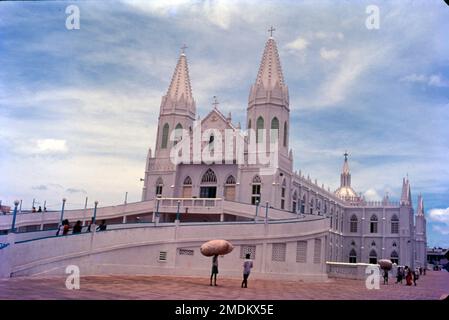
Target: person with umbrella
column 214, row 270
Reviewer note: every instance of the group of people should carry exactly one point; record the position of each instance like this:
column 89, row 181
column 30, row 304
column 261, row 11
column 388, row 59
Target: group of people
column 247, row 266
column 39, row 210
column 408, row 274
column 78, row 227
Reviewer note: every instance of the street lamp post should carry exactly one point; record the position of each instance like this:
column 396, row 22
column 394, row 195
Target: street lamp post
column 13, row 226
column 94, row 219
column 62, row 209
column 177, row 210
column 257, row 210
column 266, row 212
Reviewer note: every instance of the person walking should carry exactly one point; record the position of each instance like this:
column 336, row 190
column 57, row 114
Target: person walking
column 415, row 277
column 385, row 276
column 399, row 275
column 77, row 227
column 247, row 266
column 408, row 276
column 214, row 270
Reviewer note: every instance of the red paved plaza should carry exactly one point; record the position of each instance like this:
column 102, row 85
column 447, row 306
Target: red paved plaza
column 435, row 285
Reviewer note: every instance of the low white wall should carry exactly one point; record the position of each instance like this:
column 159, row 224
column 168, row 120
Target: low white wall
column 136, row 251
column 356, row 271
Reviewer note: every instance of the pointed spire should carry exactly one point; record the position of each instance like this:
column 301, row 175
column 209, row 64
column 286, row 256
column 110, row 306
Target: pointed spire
column 345, row 169
column 179, row 93
column 406, row 193
column 270, row 70
column 420, row 211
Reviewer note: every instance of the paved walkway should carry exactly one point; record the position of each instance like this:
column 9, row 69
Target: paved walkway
column 435, row 285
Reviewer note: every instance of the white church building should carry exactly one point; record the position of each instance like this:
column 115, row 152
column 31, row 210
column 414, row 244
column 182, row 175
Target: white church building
column 207, row 180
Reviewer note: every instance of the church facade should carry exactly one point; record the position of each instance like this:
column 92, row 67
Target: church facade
column 359, row 230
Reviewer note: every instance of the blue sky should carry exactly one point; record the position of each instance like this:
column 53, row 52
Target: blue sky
column 78, row 108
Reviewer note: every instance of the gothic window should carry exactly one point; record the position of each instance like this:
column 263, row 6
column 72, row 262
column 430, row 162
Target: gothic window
column 373, row 257
column 259, row 127
column 178, row 133
column 249, row 127
column 373, row 244
column 274, row 129
column 255, row 188
column 159, row 185
column 303, row 204
column 209, row 177
column 352, row 256
column 285, row 134
column 211, row 142
column 188, row 181
column 352, row 243
column 373, row 224
column 187, row 187
column 311, row 206
column 353, row 224
column 284, row 185
column 394, row 258
column 394, row 224
column 230, row 188
column 249, row 124
column 394, row 244
column 294, row 202
column 164, row 136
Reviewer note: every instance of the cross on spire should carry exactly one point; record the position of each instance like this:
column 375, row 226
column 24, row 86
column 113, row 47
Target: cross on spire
column 346, row 154
column 183, row 48
column 271, row 31
column 215, row 103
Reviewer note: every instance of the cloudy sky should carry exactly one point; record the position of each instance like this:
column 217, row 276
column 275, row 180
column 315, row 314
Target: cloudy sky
column 78, row 108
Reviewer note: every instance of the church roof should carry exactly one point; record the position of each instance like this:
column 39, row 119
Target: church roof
column 180, row 88
column 270, row 70
column 346, row 193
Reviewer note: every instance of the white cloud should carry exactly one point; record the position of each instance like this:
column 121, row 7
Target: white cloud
column 298, row 44
column 440, row 216
column 433, row 80
column 329, row 54
column 372, row 195
column 51, row 146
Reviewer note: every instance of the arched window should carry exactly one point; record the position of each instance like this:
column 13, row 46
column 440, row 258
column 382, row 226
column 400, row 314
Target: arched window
column 284, row 185
column 373, row 244
column 353, row 224
column 211, row 142
column 311, row 205
column 249, row 127
column 303, row 204
column 294, row 202
column 178, row 133
column 394, row 224
column 188, row 181
column 164, row 136
column 259, row 126
column 394, row 244
column 274, row 129
column 394, row 257
column 229, row 189
column 187, row 187
column 373, row 257
column 256, row 193
column 208, row 188
column 209, row 177
column 159, row 185
column 352, row 243
column 249, row 124
column 336, row 220
column 332, row 217
column 352, row 256
column 285, row 134
column 373, row 224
